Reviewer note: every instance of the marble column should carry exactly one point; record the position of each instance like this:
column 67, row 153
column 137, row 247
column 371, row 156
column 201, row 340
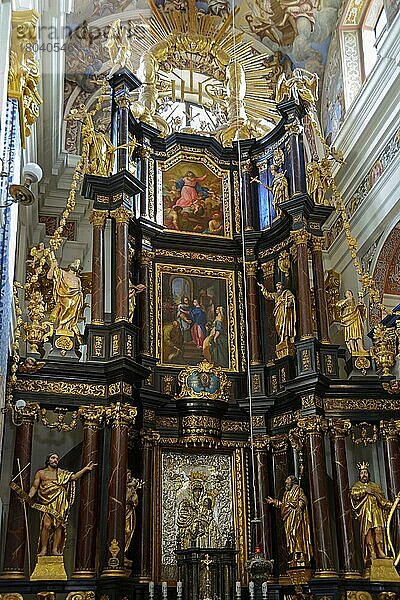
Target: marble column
column 323, row 543
column 14, row 553
column 297, row 170
column 281, row 472
column 390, row 431
column 142, row 564
column 146, row 310
column 269, row 324
column 305, row 329
column 246, row 191
column 123, row 103
column 253, row 322
column 338, row 430
column 98, row 220
column 121, row 216
column 262, row 480
column 85, row 555
column 319, row 290
column 120, row 417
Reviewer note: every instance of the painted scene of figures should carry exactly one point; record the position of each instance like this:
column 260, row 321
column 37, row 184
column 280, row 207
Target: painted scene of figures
column 194, row 320
column 192, row 200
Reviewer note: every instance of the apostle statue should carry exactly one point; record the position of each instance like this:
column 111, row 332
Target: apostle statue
column 284, row 312
column 352, row 316
column 294, row 513
column 371, row 509
column 55, row 489
column 68, row 298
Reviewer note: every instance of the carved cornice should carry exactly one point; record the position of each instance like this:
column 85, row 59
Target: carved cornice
column 23, row 75
column 120, row 415
column 66, row 388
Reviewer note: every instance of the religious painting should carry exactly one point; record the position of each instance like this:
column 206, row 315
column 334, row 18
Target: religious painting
column 196, row 316
column 195, row 198
column 197, row 501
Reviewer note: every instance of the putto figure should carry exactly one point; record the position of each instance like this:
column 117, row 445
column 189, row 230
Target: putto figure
column 56, row 490
column 294, row 513
column 371, row 509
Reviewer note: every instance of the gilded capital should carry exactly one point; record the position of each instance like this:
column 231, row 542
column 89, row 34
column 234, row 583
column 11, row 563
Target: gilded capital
column 261, row 442
column 98, row 218
column 120, row 415
column 313, row 424
column 146, row 257
column 390, row 430
column 339, row 428
column 149, row 437
column 279, row 443
column 29, row 413
column 91, row 416
column 121, row 214
column 251, row 268
column 24, row 75
column 268, row 268
column 300, row 236
column 318, row 243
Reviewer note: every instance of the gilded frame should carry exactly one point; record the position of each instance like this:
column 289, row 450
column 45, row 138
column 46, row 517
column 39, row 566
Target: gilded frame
column 211, row 165
column 229, row 278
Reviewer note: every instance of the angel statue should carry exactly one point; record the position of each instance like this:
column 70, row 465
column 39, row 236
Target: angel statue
column 302, row 84
column 119, row 48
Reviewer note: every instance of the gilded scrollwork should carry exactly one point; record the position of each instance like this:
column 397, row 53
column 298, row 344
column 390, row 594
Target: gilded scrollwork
column 61, row 387
column 204, row 381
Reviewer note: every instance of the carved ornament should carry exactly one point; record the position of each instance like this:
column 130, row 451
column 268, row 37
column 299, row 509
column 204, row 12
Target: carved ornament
column 390, row 430
column 91, row 416
column 300, row 236
column 98, row 218
column 61, row 387
column 204, row 381
column 313, row 424
column 121, row 214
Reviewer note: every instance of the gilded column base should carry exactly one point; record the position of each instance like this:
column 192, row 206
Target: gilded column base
column 12, row 575
column 383, row 569
column 113, row 573
column 83, row 574
column 325, row 574
column 351, row 575
column 49, row 568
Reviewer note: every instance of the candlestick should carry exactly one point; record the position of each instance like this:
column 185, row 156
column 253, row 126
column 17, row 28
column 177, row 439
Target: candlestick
column 264, row 590
column 179, row 590
column 164, row 590
column 251, row 590
column 238, row 588
column 151, row 590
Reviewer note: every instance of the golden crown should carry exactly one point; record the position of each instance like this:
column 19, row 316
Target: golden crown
column 198, row 476
column 363, row 465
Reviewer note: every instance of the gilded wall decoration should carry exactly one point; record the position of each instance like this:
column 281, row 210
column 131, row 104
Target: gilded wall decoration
column 196, row 198
column 204, row 381
column 196, row 501
column 196, row 316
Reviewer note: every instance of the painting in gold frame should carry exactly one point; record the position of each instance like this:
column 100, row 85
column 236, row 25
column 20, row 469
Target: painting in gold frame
column 196, row 316
column 196, row 197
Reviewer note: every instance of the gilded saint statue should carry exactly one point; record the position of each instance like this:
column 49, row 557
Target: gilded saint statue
column 294, row 513
column 55, row 489
column 284, row 312
column 352, row 315
column 371, row 509
column 279, row 189
column 133, row 291
column 132, row 501
column 195, row 520
column 68, row 298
